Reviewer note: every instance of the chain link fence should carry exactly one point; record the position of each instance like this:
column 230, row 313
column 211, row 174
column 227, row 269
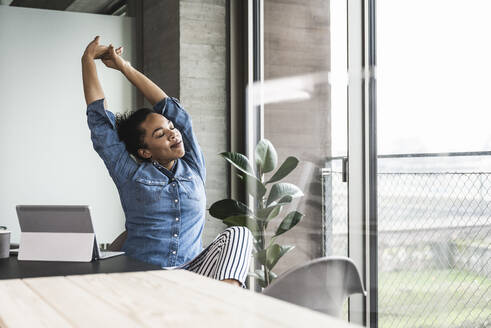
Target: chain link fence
column 434, row 245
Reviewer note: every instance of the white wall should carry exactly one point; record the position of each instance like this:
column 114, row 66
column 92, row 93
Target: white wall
column 47, row 156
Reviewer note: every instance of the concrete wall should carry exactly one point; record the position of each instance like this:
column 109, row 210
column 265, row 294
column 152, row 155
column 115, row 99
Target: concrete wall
column 160, row 46
column 300, row 128
column 203, row 63
column 184, row 51
column 47, row 155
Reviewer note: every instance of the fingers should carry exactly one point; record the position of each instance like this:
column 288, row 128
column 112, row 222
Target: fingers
column 99, row 51
column 111, row 50
column 104, row 52
column 115, row 53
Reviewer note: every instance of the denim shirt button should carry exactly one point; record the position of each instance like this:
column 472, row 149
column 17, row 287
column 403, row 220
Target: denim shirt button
column 175, row 200
column 174, row 252
column 177, row 219
column 175, row 235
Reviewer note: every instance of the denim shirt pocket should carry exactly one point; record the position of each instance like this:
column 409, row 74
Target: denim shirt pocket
column 149, row 191
column 190, row 186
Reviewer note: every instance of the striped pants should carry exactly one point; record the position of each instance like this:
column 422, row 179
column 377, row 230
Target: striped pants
column 227, row 257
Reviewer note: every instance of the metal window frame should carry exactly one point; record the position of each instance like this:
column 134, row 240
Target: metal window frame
column 239, row 62
column 356, row 154
column 245, row 21
column 371, row 123
column 362, row 155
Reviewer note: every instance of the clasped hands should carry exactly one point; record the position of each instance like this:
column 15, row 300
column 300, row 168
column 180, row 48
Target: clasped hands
column 110, row 57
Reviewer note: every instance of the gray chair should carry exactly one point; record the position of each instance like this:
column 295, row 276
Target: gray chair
column 322, row 284
column 117, row 244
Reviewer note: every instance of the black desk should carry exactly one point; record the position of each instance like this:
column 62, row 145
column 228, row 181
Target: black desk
column 11, row 268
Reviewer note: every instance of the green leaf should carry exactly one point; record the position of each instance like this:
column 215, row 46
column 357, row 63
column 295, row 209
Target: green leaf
column 274, row 213
column 289, row 222
column 266, row 157
column 282, row 189
column 228, row 207
column 269, row 212
column 252, row 274
column 272, row 276
column 264, row 213
column 236, row 220
column 288, row 165
column 285, row 200
column 260, row 274
column 253, row 185
column 239, row 161
column 270, row 256
column 244, row 221
column 274, row 253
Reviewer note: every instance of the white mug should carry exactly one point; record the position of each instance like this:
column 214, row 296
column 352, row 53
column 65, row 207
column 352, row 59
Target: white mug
column 4, row 243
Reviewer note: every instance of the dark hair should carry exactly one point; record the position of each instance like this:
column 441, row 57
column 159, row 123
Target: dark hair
column 129, row 130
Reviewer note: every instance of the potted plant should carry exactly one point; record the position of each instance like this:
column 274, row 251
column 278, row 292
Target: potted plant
column 270, row 197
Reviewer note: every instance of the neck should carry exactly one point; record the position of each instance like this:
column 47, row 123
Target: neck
column 167, row 165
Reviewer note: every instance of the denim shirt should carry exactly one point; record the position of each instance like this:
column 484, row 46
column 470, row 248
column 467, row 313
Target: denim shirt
column 165, row 210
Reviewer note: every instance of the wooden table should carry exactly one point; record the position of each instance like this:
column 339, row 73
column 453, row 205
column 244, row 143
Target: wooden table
column 161, row 298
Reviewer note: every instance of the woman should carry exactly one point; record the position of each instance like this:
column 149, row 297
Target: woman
column 157, row 165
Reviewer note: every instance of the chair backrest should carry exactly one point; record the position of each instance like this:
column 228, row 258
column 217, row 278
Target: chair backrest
column 322, row 284
column 117, row 244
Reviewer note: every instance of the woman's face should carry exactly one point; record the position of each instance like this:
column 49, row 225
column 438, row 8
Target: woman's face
column 164, row 142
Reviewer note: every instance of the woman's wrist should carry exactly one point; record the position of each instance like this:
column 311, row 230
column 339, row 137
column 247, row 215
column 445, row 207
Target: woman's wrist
column 86, row 57
column 126, row 68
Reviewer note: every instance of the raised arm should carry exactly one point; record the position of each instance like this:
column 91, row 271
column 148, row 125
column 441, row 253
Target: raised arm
column 150, row 90
column 102, row 122
column 167, row 106
column 92, row 87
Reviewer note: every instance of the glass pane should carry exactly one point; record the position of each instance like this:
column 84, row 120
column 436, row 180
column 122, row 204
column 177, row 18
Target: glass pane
column 434, row 178
column 304, row 98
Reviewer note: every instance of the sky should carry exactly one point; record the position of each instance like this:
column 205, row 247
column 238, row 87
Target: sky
column 433, row 69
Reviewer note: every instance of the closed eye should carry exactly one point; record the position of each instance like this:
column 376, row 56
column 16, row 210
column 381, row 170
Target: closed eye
column 170, row 127
column 158, row 133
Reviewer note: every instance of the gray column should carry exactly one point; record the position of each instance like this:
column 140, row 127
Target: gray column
column 184, row 52
column 203, row 76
